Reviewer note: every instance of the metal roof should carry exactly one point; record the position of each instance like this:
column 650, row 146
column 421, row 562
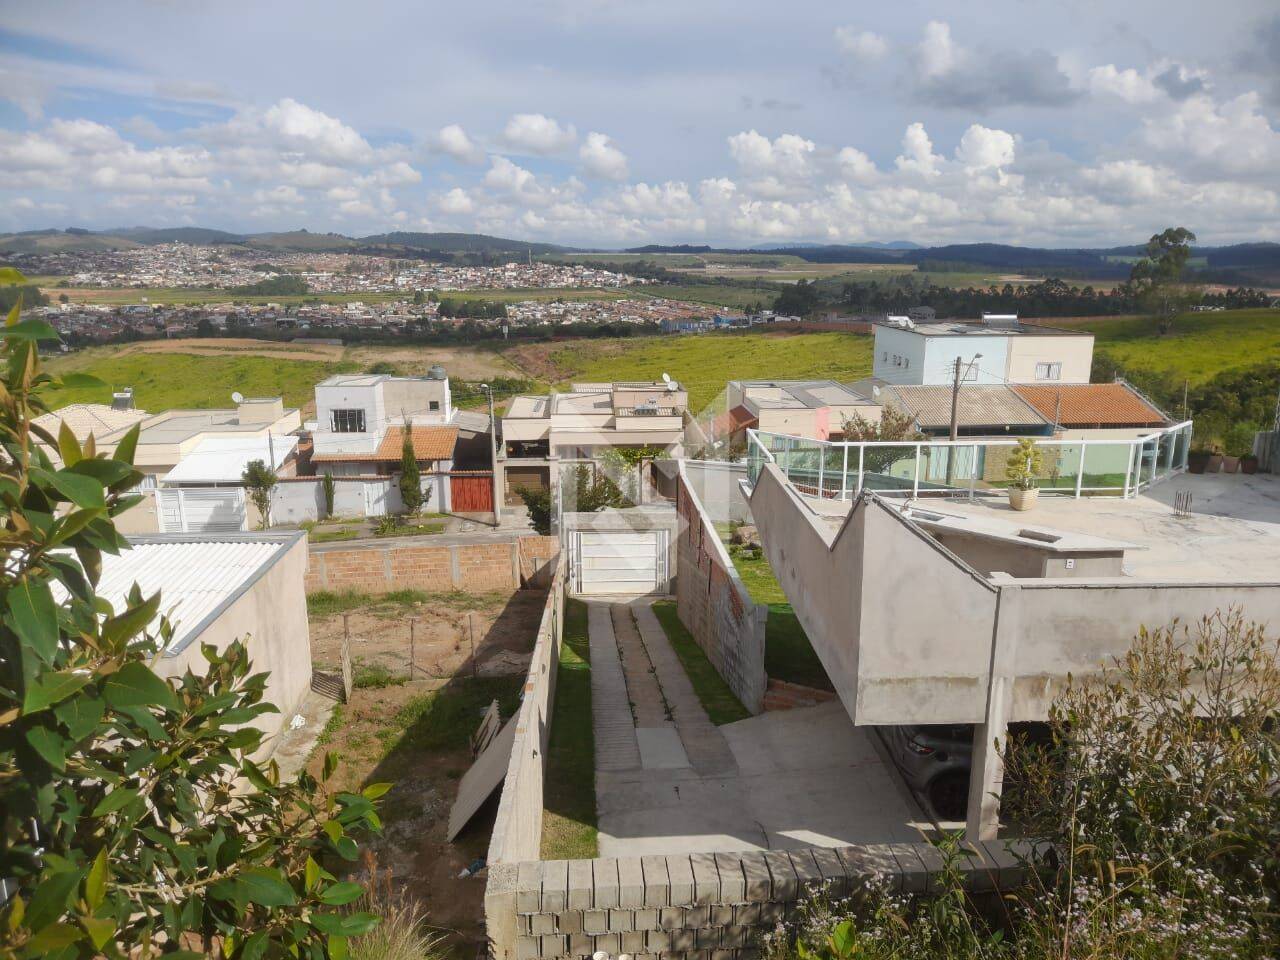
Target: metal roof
column 223, row 459
column 197, row 576
column 979, row 405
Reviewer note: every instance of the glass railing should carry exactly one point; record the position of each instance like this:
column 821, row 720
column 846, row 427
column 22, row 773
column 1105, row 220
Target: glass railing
column 839, row 471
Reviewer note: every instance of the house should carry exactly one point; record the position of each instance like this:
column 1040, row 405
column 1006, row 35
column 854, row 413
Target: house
column 1094, row 410
column 205, row 492
column 360, row 423
column 997, row 349
column 816, row 409
column 540, row 433
column 218, row 588
column 84, row 420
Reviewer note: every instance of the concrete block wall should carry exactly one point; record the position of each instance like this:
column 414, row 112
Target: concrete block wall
column 473, row 567
column 706, row 906
column 713, row 603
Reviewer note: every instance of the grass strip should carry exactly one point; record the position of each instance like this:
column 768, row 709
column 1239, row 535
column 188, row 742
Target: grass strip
column 718, row 700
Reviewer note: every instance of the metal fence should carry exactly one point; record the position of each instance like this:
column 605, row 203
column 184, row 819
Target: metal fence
column 841, row 470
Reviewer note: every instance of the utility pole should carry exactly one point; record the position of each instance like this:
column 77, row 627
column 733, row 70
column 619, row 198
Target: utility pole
column 955, row 417
column 493, row 453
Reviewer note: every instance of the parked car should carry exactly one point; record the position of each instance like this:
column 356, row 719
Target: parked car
column 935, row 760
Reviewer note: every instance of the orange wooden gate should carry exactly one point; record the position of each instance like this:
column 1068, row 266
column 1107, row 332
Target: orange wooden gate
column 471, row 491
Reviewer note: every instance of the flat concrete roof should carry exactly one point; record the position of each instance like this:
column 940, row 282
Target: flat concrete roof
column 1232, row 534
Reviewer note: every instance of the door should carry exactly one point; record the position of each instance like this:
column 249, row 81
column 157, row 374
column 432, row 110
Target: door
column 201, row 510
column 634, row 562
column 376, row 493
column 471, row 493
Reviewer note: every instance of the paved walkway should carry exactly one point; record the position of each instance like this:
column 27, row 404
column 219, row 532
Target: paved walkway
column 669, row 781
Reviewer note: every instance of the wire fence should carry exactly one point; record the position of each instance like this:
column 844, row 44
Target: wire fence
column 841, row 470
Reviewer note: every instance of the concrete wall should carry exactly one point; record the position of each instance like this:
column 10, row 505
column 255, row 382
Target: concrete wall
column 706, row 905
column 476, row 567
column 718, row 487
column 715, row 606
column 517, row 828
column 271, row 618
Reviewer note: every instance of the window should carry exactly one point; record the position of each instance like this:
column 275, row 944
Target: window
column 434, row 404
column 348, row 421
column 1048, row 371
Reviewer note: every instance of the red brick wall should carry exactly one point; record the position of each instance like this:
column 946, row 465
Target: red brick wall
column 473, row 567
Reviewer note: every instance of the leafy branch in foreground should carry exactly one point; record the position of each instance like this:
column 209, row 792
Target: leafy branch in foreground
column 136, row 818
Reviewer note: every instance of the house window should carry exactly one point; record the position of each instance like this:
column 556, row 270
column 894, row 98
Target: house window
column 434, row 404
column 1048, row 371
column 348, row 421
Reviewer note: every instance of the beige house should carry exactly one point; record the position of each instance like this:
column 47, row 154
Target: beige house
column 816, row 409
column 539, row 433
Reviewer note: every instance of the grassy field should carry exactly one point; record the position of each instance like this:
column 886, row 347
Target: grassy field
column 787, row 652
column 1201, row 345
column 569, row 820
column 716, row 697
column 180, row 380
column 703, row 364
column 716, row 294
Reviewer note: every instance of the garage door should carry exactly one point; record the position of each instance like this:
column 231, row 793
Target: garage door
column 613, row 563
column 201, row 509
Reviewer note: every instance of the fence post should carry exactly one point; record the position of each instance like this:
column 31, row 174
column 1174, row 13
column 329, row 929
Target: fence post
column 822, row 463
column 844, row 474
column 1084, row 444
column 1128, row 468
column 915, row 482
column 862, row 456
column 413, row 661
column 345, row 658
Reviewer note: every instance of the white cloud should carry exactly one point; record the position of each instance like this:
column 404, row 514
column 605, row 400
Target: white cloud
column 1128, row 85
column 538, row 134
column 862, row 46
column 1227, row 139
column 917, row 152
column 982, row 148
column 856, row 165
column 316, row 132
column 601, row 158
column 457, row 202
column 937, row 53
column 510, row 178
column 786, row 156
column 455, row 141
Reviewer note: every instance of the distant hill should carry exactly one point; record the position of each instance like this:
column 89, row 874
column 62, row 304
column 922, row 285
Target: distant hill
column 299, row 240
column 62, row 241
column 459, row 243
column 193, row 235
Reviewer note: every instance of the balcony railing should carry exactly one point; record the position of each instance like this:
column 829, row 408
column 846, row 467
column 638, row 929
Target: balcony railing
column 842, row 470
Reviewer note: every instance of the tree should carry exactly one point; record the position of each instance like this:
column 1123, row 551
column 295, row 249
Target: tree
column 410, row 475
column 419, row 298
column 205, row 328
column 327, row 486
column 1158, row 276
column 894, row 425
column 538, row 502
column 136, row 821
column 260, row 480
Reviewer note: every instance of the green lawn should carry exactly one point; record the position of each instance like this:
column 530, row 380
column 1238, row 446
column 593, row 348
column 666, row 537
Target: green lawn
column 717, row 699
column 1201, row 345
column 165, row 381
column 443, row 719
column 787, row 652
column 705, row 363
column 569, row 789
column 716, row 294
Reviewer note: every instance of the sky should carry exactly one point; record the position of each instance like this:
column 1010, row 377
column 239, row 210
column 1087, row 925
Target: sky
column 613, row 123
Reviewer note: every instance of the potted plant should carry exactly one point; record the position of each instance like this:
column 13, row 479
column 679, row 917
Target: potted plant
column 1239, row 448
column 1023, row 473
column 1197, row 460
column 1214, row 463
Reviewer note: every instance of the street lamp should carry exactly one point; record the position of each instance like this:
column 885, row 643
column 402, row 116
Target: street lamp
column 493, row 453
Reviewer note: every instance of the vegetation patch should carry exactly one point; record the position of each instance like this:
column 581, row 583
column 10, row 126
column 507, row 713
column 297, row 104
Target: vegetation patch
column 569, row 790
column 445, row 719
column 717, row 699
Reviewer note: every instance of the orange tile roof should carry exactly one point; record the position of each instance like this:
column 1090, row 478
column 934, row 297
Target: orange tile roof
column 429, row 443
column 1091, row 404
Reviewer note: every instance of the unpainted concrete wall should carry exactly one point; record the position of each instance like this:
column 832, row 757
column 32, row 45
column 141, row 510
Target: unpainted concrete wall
column 704, row 905
column 475, row 567
column 714, row 605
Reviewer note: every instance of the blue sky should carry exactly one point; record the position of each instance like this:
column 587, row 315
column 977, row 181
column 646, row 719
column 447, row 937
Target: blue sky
column 616, row 123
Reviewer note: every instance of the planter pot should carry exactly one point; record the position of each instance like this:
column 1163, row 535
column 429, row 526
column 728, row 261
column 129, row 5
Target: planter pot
column 1248, row 464
column 1214, row 463
column 1230, row 464
column 1023, row 499
column 1196, row 462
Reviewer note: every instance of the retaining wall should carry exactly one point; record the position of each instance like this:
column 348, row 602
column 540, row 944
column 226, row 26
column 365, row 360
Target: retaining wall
column 474, row 567
column 713, row 603
column 705, row 906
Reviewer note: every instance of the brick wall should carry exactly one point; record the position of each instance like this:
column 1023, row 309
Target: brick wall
column 713, row 603
column 704, row 905
column 473, row 567
column 781, row 695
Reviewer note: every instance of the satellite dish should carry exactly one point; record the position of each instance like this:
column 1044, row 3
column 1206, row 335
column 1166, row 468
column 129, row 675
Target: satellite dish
column 237, row 397
column 875, row 393
column 666, row 378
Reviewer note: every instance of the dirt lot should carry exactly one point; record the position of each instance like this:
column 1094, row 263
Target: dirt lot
column 461, row 363
column 415, row 734
column 233, row 346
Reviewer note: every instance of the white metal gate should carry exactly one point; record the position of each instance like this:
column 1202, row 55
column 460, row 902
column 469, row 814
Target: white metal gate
column 376, row 495
column 201, row 509
column 614, row 563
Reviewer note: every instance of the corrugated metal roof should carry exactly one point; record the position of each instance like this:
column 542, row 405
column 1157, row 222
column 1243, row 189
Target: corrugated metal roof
column 979, row 405
column 223, row 459
column 194, row 577
column 1092, row 404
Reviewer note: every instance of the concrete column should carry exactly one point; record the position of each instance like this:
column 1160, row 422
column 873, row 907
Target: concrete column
column 986, row 778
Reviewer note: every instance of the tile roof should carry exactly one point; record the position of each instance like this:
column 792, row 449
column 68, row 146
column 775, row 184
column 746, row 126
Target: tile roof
column 429, row 443
column 979, row 405
column 1092, row 404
